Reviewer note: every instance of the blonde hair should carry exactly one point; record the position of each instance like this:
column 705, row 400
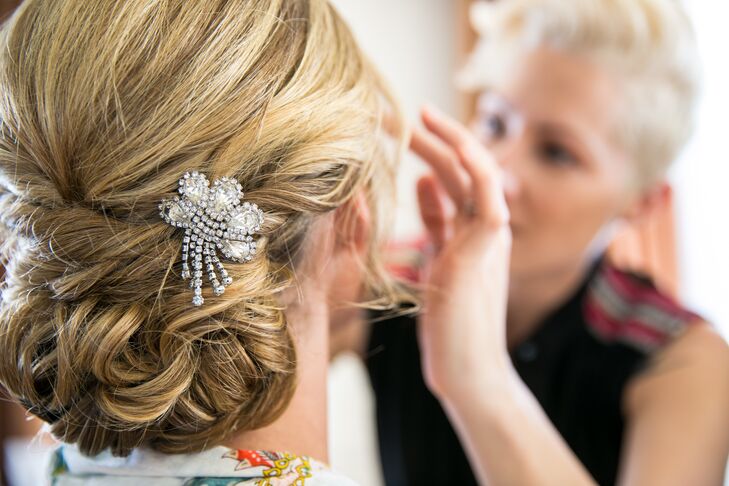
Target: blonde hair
column 648, row 45
column 104, row 105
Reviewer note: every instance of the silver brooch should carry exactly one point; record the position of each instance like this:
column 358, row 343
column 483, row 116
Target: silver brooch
column 215, row 220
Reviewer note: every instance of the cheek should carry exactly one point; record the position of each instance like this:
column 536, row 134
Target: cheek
column 565, row 213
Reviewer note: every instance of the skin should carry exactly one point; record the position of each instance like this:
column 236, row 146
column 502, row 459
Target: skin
column 328, row 279
column 566, row 182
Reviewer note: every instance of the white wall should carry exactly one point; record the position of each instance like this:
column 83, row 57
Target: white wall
column 701, row 177
column 413, row 42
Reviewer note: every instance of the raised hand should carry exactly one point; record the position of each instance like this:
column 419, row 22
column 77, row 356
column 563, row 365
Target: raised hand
column 462, row 327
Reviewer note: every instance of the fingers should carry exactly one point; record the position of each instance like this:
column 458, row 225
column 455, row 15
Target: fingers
column 445, row 164
column 434, row 210
column 484, row 196
column 489, row 204
column 446, row 128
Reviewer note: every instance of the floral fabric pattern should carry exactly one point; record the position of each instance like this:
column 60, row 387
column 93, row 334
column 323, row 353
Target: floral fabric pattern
column 219, row 466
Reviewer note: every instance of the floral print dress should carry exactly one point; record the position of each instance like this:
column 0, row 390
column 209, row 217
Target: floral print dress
column 219, row 466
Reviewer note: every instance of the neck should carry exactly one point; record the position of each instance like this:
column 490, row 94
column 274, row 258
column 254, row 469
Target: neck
column 302, row 428
column 533, row 297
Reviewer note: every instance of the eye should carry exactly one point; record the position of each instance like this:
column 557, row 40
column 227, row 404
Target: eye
column 497, row 119
column 556, row 154
column 495, row 126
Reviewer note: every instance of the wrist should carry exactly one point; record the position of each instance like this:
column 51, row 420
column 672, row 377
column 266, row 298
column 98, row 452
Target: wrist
column 487, row 384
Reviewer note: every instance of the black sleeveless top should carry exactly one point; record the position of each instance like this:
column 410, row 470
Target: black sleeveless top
column 577, row 365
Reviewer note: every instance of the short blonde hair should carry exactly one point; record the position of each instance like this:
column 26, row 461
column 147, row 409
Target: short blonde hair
column 648, row 45
column 104, row 105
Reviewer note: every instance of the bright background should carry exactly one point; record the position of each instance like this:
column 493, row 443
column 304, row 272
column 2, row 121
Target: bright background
column 701, row 177
column 414, row 43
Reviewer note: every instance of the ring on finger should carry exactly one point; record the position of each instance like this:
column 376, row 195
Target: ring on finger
column 469, row 208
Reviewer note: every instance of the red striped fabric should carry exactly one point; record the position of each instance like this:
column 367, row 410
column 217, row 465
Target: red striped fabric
column 620, row 306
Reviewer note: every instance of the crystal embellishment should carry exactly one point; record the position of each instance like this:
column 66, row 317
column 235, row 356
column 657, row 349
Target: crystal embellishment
column 215, row 221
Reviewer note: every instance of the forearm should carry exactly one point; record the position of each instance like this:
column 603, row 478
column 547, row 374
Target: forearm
column 509, row 439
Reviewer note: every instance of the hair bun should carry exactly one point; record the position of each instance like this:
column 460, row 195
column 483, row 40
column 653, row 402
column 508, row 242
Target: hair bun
column 104, row 106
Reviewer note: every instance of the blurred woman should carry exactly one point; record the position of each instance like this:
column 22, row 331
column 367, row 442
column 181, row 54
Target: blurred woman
column 594, row 374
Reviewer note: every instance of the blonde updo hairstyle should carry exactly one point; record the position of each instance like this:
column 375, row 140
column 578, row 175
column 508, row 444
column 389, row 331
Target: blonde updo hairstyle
column 648, row 46
column 104, row 105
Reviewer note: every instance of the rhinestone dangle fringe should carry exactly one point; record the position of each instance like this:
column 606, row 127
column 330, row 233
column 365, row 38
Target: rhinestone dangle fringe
column 215, row 220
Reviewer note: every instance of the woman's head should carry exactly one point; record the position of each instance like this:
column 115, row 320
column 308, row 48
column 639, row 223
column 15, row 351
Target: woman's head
column 586, row 104
column 104, row 106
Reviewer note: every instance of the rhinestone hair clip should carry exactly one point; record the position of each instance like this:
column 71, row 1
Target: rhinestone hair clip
column 215, row 220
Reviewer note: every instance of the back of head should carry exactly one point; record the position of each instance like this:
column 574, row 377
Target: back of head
column 648, row 46
column 104, row 106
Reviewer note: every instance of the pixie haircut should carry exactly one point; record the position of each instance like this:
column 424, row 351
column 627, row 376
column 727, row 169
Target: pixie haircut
column 647, row 45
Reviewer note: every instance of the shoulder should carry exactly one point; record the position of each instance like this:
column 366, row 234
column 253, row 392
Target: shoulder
column 676, row 343
column 702, row 344
column 677, row 360
column 676, row 413
column 693, row 368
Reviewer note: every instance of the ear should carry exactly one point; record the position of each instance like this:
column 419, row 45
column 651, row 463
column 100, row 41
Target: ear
column 352, row 222
column 652, row 201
